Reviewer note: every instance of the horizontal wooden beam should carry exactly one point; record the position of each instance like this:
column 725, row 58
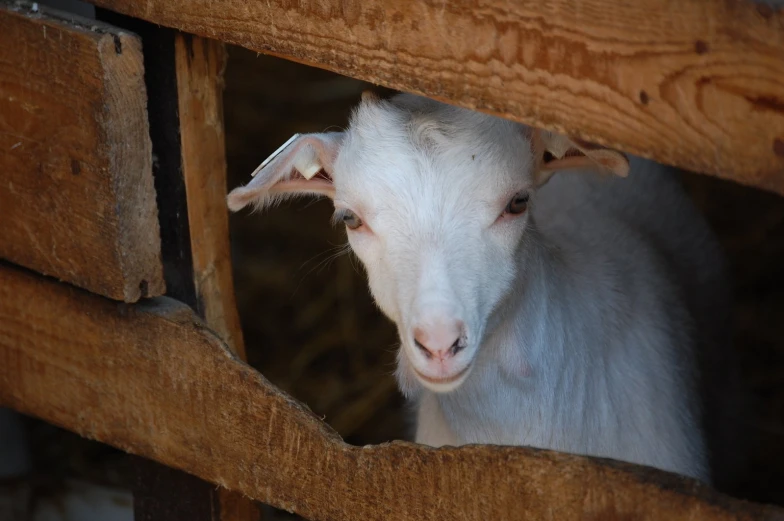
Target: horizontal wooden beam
column 694, row 83
column 152, row 379
column 76, row 187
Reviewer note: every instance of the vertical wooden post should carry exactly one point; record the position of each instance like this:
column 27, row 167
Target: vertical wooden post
column 200, row 64
column 184, row 79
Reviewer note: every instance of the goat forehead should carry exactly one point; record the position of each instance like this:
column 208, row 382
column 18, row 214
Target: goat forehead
column 413, row 178
column 415, row 131
column 413, row 206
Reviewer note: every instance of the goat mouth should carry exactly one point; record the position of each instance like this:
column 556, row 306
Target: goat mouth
column 446, row 380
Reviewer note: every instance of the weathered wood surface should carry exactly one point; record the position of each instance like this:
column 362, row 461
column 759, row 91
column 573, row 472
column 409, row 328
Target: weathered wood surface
column 200, row 63
column 151, row 379
column 694, row 83
column 76, row 188
column 184, row 86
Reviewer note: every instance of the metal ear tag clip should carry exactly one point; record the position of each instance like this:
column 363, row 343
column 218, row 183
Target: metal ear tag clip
column 275, row 154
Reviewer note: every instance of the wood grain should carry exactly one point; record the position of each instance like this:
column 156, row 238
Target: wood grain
column 200, row 63
column 694, row 83
column 151, row 379
column 184, row 86
column 76, row 188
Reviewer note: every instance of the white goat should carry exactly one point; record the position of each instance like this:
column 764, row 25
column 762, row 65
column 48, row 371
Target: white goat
column 559, row 312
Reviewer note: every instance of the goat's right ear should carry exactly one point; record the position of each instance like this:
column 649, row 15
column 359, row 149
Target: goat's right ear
column 554, row 152
column 302, row 167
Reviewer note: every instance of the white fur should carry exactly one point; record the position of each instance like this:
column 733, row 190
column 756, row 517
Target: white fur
column 580, row 335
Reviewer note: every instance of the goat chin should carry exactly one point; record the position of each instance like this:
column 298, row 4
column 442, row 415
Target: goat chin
column 446, row 384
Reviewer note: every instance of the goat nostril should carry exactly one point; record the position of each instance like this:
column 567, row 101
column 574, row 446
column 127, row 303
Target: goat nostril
column 422, row 348
column 458, row 346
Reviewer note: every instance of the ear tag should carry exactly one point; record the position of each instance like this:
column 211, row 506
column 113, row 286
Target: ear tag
column 307, row 163
column 557, row 147
column 308, row 172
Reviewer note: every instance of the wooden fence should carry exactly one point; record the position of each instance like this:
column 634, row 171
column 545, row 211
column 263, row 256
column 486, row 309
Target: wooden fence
column 113, row 185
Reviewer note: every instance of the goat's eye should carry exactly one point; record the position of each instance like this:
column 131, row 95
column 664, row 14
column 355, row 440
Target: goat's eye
column 518, row 204
column 351, row 220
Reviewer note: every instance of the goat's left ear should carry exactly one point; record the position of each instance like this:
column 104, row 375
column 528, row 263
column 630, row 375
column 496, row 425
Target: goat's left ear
column 302, row 166
column 555, row 152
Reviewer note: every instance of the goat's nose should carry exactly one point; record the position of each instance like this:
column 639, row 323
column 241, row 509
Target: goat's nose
column 442, row 340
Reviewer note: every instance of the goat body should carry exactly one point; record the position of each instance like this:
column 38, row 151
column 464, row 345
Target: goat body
column 594, row 351
column 556, row 311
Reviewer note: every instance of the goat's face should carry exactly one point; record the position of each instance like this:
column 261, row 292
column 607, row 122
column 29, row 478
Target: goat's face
column 435, row 206
column 435, row 203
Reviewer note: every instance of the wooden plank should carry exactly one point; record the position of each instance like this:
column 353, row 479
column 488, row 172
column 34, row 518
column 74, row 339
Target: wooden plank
column 695, row 83
column 160, row 493
column 151, row 379
column 161, row 85
column 76, row 188
column 184, row 89
column 200, row 64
